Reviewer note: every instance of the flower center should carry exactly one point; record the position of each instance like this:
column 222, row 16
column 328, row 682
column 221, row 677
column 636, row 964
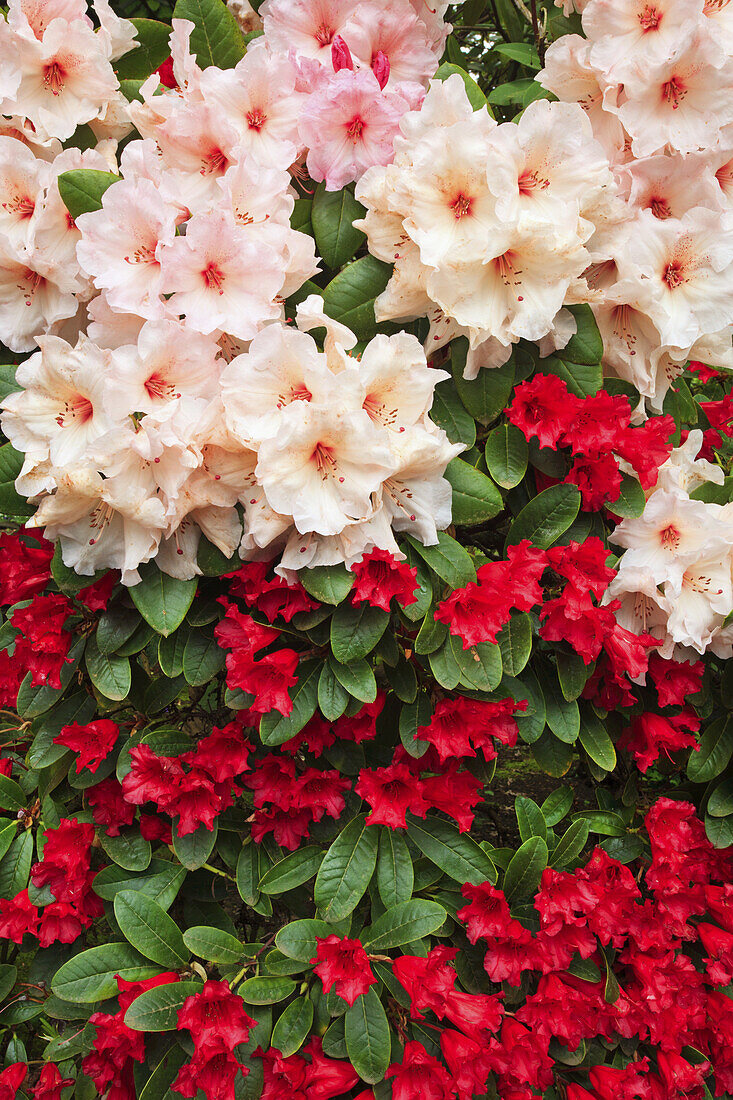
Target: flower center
column 531, row 181
column 22, row 205
column 214, row 162
column 622, row 327
column 213, row 276
column 670, row 537
column 461, row 205
column 674, row 91
column 145, row 254
column 650, row 17
column 256, row 118
column 324, row 460
column 157, row 386
column 295, row 393
column 100, row 518
column 53, row 78
column 355, row 129
column 506, row 270
column 324, row 35
column 31, row 283
column 674, row 274
column 78, row 409
column 660, row 208
column 378, row 411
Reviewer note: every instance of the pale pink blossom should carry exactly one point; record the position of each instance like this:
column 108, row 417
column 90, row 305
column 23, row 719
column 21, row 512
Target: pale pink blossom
column 34, row 16
column 22, row 181
column 122, row 243
column 306, row 26
column 392, row 28
column 671, row 185
column 349, row 125
column 623, row 32
column 30, row 301
column 219, row 279
column 167, row 363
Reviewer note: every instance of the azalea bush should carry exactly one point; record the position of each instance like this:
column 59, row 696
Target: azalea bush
column 366, row 558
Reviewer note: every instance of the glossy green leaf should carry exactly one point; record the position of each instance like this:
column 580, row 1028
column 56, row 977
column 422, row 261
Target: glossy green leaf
column 149, row 929
column 525, row 867
column 157, row 1009
column 487, row 395
column 347, row 869
column 475, row 497
column 349, row 297
column 570, row 844
column 91, row 975
column 356, row 630
column 216, row 38
column 507, row 455
column 111, row 675
column 265, row 991
column 448, row 559
column 457, row 854
column 449, row 412
column 327, row 583
column 213, row 944
column 332, row 218
column 162, row 600
column 292, row 871
column 716, row 749
column 297, row 940
column 356, row 678
column 81, row 189
column 515, row 643
column 403, row 923
column 193, row 849
column 332, row 697
column 546, row 517
column 293, row 1027
column 152, row 50
column 395, row 874
column 367, row 1037
column 475, row 96
column 596, row 741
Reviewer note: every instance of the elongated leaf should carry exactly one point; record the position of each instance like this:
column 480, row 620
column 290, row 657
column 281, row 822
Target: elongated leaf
column 346, row 870
column 202, row 659
column 586, row 346
column 596, row 741
column 475, row 96
column 276, row 728
column 530, row 819
column 149, row 929
column 515, row 643
column 356, row 678
column 562, row 715
column 115, row 627
column 403, row 923
column 213, row 944
column 291, row 1030
column 413, row 717
column 294, row 870
column 448, row 559
column 265, row 991
column 475, row 497
column 367, row 1037
column 487, row 395
column 216, row 38
column 507, row 455
column 546, row 517
column 716, row 749
column 449, row 412
column 332, row 218
column 327, row 583
column 111, row 675
column 526, row 865
column 16, row 865
column 162, row 600
column 157, row 1009
column 570, row 844
column 162, row 882
column 349, row 297
column 355, row 631
column 81, row 189
column 333, row 698
column 151, row 51
column 297, row 940
column 91, row 975
column 556, row 806
column 193, row 849
column 395, row 874
column 11, row 794
column 131, row 851
column 460, row 857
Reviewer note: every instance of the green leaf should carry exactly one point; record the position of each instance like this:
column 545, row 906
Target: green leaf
column 716, row 748
column 586, row 346
column 171, row 650
column 367, row 1037
column 291, row 1030
column 487, row 395
column 720, row 803
column 522, row 52
column 11, row 503
column 395, row 874
column 131, row 851
column 294, row 870
column 545, row 518
column 115, row 627
column 346, row 870
column 8, row 834
column 412, row 717
column 297, row 940
column 81, row 189
column 604, row 822
column 443, row 665
column 480, row 665
column 162, row 883
column 476, row 97
column 631, row 501
column 403, row 923
column 152, row 51
column 570, row 844
column 448, row 559
column 193, row 849
column 719, row 831
column 449, row 412
column 356, row 678
column 327, row 583
column 356, row 630
column 475, row 497
column 216, row 38
column 349, row 297
column 111, row 676
column 507, row 455
column 157, row 1086
column 562, row 715
column 162, row 600
column 515, row 643
column 11, row 794
column 596, row 741
column 552, row 755
column 149, row 929
column 157, row 1009
column 300, row 218
column 460, row 857
column 7, row 380
column 91, row 975
column 583, row 380
column 265, row 991
column 8, row 975
column 530, row 819
column 213, row 944
column 525, row 867
column 15, row 866
column 332, row 219
column 202, row 659
column 332, row 697
column 276, row 728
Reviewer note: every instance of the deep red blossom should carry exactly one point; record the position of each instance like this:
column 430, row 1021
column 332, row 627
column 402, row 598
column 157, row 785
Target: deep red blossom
column 681, row 1078
column 50, row 1083
column 720, row 413
column 92, row 742
column 598, row 478
column 419, row 1076
column 42, row 646
column 96, row 596
column 211, row 1071
column 151, row 778
column 223, row 754
column 288, row 827
column 583, row 564
column 718, row 945
column 468, row 1063
column 543, row 408
column 165, row 72
column 12, row 674
column 272, row 595
column 647, row 447
column 62, row 922
column 18, row 915
column 361, row 726
column 520, row 1057
column 64, row 867
column 267, row 678
column 322, row 792
column 598, row 422
column 702, row 370
column 153, row 828
column 215, row 1015
column 455, row 792
column 327, row 1078
column 487, row 913
column 381, row 578
column 429, row 980
column 675, row 680
column 650, row 735
column 109, row 807
column 392, row 792
column 25, row 566
column 461, row 727
column 342, row 965
column 11, row 1078
column 574, row 618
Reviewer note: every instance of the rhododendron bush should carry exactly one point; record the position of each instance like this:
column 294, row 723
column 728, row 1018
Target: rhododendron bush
column 366, row 550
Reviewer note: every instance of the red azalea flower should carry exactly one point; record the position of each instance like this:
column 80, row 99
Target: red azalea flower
column 647, row 447
column 429, row 980
column 273, row 595
column 211, row 1071
column 64, row 867
column 675, row 680
column 702, row 370
column 25, row 566
column 487, row 913
column 543, row 408
column 455, row 792
column 61, row 922
column 461, row 726
column 153, row 828
column 520, row 1057
column 583, row 564
column 419, row 1076
column 322, row 792
column 267, row 678
column 12, row 674
column 96, row 596
column 109, row 807
column 391, row 792
column 223, row 754
column 17, row 916
column 43, row 644
column 288, row 827
column 165, row 72
column 196, row 801
column 598, row 478
column 215, row 1015
column 468, row 1063
column 11, row 1078
column 343, row 966
column 575, row 619
column 380, row 578
column 597, row 424
column 361, row 726
column 93, row 742
column 327, row 1078
column 650, row 735
column 719, row 947
column 680, row 1077
column 151, row 778
column 50, row 1083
